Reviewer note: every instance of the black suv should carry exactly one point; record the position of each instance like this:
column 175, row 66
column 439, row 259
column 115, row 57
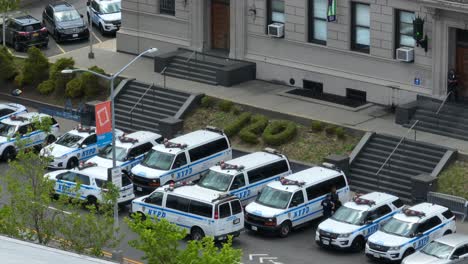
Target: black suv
column 23, row 31
column 64, row 22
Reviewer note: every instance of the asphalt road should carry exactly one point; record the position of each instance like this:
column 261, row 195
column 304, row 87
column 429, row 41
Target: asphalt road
column 55, row 49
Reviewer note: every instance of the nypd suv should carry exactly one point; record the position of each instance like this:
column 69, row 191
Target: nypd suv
column 105, row 14
column 409, row 231
column 355, row 221
column 7, row 110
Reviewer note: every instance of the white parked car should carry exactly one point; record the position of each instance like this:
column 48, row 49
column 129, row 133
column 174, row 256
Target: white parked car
column 105, row 14
column 9, row 109
column 22, row 125
column 409, row 231
column 351, row 225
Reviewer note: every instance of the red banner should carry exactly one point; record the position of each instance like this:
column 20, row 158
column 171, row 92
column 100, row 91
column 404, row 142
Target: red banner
column 103, row 118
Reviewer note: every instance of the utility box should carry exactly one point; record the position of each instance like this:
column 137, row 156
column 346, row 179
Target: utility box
column 87, row 116
column 421, row 185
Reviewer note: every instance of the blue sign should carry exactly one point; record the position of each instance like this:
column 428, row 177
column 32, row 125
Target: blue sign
column 104, row 139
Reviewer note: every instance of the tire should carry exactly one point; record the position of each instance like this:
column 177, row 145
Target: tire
column 448, row 232
column 358, row 244
column 143, row 216
column 9, row 153
column 407, row 253
column 197, row 233
column 285, row 229
column 56, row 37
column 72, row 163
column 91, row 200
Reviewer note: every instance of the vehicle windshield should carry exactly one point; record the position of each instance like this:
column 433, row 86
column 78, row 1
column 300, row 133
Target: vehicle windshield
column 158, row 160
column 67, row 16
column 399, row 228
column 7, row 130
column 120, row 153
column 69, row 140
column 274, row 198
column 437, row 249
column 109, row 8
column 349, row 215
column 216, row 181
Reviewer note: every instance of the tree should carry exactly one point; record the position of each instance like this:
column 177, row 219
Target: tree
column 36, row 67
column 56, row 75
column 7, row 65
column 5, row 7
column 160, row 242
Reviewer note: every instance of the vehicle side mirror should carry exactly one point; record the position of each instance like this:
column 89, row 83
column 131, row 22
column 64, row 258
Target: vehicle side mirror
column 418, row 234
column 83, row 146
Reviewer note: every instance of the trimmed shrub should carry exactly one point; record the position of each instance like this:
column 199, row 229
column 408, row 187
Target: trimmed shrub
column 46, row 87
column 207, row 101
column 330, row 130
column 233, row 128
column 58, row 77
column 18, row 81
column 7, row 65
column 36, row 67
column 279, row 132
column 74, row 88
column 317, row 126
column 340, row 132
column 236, row 110
column 91, row 84
column 225, row 106
column 250, row 133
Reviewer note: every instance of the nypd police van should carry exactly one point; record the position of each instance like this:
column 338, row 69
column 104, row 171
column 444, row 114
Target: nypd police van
column 10, row 109
column 182, row 158
column 247, row 175
column 92, row 181
column 294, row 200
column 356, row 220
column 409, row 231
column 105, row 14
column 74, row 146
column 23, row 126
column 200, row 212
column 130, row 150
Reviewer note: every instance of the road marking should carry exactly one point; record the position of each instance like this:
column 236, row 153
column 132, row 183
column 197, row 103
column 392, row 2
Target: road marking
column 94, row 34
column 262, row 258
column 252, row 256
column 267, row 258
column 56, row 209
column 60, row 48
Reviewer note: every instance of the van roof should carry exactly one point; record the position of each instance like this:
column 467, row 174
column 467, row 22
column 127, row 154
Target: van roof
column 427, row 208
column 94, row 171
column 191, row 139
column 194, row 192
column 378, row 198
column 29, row 116
column 309, row 177
column 249, row 161
column 141, row 136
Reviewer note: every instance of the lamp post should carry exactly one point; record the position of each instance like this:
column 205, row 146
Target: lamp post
column 111, row 80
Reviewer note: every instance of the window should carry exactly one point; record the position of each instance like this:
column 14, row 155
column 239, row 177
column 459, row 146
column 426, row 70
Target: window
column 239, row 181
column 155, row 198
column 404, row 29
column 236, row 207
column 267, row 171
column 180, row 161
column 167, row 7
column 95, row 6
column 201, row 209
column 177, row 203
column 6, row 111
column 360, row 27
column 22, row 130
column 208, row 149
column 90, row 140
column 49, row 12
column 140, row 150
column 448, row 214
column 82, row 179
column 429, row 224
column 398, row 203
column 298, row 198
column 318, row 21
column 323, row 188
column 67, row 176
column 379, row 212
column 275, row 11
column 461, row 251
column 224, row 210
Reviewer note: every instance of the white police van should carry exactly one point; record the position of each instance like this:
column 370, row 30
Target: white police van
column 23, row 126
column 294, row 200
column 105, row 14
column 92, row 180
column 355, row 221
column 409, row 231
column 74, row 146
column 200, row 212
column 130, row 150
column 182, row 158
column 247, row 175
column 10, row 109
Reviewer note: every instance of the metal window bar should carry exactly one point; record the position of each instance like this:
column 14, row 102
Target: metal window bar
column 138, row 102
column 167, row 7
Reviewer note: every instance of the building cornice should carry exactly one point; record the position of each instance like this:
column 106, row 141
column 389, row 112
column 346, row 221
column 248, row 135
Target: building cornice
column 451, row 5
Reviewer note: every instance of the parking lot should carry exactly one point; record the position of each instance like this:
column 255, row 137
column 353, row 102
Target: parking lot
column 54, row 49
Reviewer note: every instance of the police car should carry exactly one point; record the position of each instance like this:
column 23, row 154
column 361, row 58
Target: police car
column 355, row 221
column 294, row 200
column 410, row 230
column 130, row 150
column 200, row 212
column 105, row 14
column 22, row 125
column 92, row 180
column 7, row 110
column 74, row 146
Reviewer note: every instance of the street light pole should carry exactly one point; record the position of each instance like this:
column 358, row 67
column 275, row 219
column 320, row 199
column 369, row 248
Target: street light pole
column 112, row 99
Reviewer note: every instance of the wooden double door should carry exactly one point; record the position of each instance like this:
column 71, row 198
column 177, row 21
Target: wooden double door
column 462, row 61
column 220, row 24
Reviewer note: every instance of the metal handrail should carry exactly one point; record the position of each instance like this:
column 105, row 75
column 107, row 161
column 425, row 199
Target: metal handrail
column 443, row 102
column 163, row 73
column 138, row 102
column 191, row 56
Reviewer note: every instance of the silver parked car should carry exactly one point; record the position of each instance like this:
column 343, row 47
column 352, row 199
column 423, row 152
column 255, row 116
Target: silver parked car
column 447, row 249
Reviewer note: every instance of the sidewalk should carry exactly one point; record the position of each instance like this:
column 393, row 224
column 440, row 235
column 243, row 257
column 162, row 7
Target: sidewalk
column 258, row 94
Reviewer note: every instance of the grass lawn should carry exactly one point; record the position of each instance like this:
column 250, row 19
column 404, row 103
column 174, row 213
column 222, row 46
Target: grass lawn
column 454, row 180
column 307, row 146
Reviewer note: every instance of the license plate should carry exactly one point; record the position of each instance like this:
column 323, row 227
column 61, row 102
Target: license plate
column 376, row 255
column 75, row 35
column 35, row 34
column 254, row 228
column 139, row 189
column 325, row 242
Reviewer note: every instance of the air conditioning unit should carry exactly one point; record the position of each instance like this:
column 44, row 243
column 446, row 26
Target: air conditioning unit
column 405, row 54
column 276, row 30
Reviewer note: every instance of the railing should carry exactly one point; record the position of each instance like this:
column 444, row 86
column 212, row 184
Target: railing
column 457, row 205
column 443, row 102
column 138, row 102
column 163, row 73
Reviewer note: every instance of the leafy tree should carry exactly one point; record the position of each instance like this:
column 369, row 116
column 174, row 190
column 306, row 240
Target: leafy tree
column 7, row 65
column 60, row 80
column 36, row 67
column 91, row 82
column 5, row 7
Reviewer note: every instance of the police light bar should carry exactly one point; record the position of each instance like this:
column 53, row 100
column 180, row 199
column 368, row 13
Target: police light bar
column 358, row 200
column 84, row 165
column 18, row 118
column 225, row 166
column 214, row 129
column 272, row 151
column 168, row 144
column 285, row 181
column 173, row 186
column 330, row 166
column 222, row 196
column 81, row 128
column 409, row 212
column 125, row 139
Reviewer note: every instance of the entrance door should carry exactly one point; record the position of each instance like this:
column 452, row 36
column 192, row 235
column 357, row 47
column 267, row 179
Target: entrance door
column 220, row 24
column 462, row 61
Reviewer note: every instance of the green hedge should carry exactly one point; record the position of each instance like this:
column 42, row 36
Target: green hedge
column 91, row 85
column 279, row 132
column 250, row 133
column 317, row 126
column 7, row 65
column 58, row 77
column 330, row 130
column 340, row 132
column 74, row 88
column 36, row 67
column 225, row 106
column 207, row 101
column 233, row 128
column 46, row 87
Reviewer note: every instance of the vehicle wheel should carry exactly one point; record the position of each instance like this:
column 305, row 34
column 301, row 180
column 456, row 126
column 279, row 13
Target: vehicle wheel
column 89, row 20
column 197, row 234
column 285, row 229
column 358, row 244
column 17, row 46
column 9, row 154
column 142, row 215
column 50, row 139
column 91, row 200
column 56, row 37
column 72, row 163
column 448, row 232
column 407, row 253
column 101, row 29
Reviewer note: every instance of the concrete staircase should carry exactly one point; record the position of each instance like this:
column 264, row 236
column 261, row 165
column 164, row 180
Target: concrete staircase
column 193, row 70
column 410, row 159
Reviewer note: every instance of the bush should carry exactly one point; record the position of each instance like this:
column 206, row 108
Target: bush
column 225, row 106
column 74, row 88
column 340, row 132
column 236, row 110
column 317, row 126
column 46, row 87
column 36, row 67
column 7, row 65
column 18, row 81
column 58, row 77
column 330, row 130
column 250, row 133
column 279, row 132
column 91, row 84
column 233, row 128
column 207, row 101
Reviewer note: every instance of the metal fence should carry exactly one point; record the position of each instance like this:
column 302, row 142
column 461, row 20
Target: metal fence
column 458, row 205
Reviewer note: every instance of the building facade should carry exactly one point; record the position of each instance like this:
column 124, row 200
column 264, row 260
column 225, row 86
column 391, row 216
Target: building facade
column 355, row 52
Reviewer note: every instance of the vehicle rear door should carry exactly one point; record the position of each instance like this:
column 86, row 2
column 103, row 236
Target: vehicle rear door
column 89, row 147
